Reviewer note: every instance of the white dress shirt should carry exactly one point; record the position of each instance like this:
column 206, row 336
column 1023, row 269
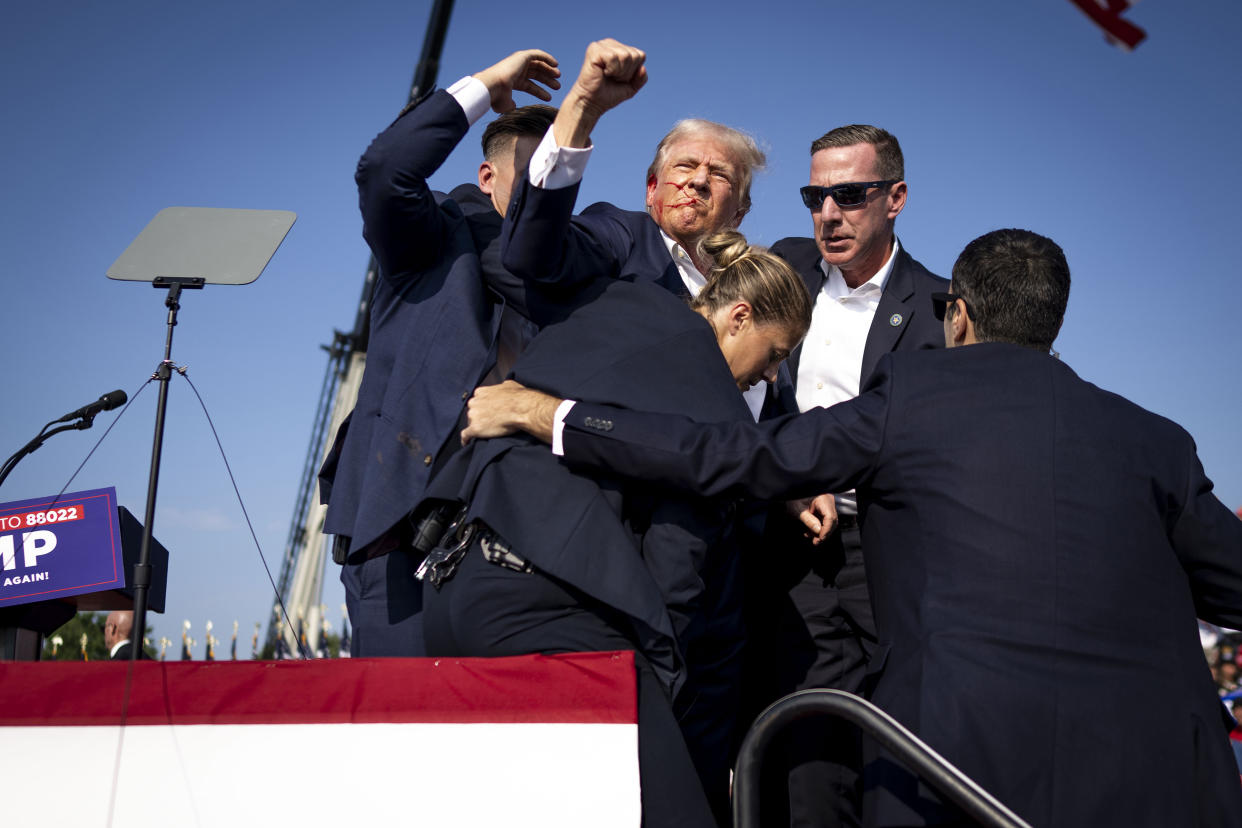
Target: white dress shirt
column 830, row 367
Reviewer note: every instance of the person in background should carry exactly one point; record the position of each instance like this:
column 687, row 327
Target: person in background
column 117, row 628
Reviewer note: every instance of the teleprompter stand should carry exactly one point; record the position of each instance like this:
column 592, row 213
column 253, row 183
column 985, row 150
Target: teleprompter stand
column 185, row 248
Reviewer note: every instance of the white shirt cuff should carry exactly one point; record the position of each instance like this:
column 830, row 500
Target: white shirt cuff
column 473, row 96
column 558, row 427
column 553, row 167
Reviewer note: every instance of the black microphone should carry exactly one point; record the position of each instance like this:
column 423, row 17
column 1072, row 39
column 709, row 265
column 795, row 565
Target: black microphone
column 109, row 401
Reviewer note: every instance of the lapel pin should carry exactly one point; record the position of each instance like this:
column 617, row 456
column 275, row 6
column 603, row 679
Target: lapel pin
column 895, row 320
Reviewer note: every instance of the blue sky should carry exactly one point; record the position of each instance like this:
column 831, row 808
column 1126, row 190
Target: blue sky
column 1011, row 115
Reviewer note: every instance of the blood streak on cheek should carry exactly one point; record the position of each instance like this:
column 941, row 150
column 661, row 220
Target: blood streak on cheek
column 679, row 197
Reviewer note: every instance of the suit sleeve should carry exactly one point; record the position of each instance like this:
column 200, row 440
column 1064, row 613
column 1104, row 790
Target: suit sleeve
column 824, row 449
column 400, row 218
column 1208, row 540
column 542, row 242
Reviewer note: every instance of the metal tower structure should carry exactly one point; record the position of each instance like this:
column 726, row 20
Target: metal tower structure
column 300, row 585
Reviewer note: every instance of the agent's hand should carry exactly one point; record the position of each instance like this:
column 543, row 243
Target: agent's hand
column 501, row 410
column 817, row 514
column 520, row 72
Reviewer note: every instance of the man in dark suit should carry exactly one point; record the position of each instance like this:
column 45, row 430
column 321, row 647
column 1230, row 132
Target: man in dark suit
column 808, row 611
column 698, row 184
column 1041, row 549
column 445, row 316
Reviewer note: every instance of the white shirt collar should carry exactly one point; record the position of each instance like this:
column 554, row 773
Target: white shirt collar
column 690, row 275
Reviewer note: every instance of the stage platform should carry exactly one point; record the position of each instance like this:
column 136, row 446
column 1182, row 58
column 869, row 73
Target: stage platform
column 529, row 741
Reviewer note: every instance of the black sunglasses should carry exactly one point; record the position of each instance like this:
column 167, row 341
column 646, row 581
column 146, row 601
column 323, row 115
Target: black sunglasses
column 941, row 301
column 845, row 195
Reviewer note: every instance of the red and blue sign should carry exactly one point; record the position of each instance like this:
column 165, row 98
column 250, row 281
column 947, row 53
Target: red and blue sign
column 53, row 547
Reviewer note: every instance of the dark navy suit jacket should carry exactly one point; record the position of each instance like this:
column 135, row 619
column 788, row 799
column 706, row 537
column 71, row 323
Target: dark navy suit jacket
column 125, row 653
column 1042, row 550
column 543, row 241
column 652, row 553
column 435, row 314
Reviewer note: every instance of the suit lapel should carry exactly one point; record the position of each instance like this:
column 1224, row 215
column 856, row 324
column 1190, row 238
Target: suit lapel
column 658, row 260
column 892, row 315
column 671, row 279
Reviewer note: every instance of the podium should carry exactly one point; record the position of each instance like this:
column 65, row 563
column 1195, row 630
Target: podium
column 23, row 625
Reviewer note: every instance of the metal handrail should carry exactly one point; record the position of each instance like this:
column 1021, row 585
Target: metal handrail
column 942, row 775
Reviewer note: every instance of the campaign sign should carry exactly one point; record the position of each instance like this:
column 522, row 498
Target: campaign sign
column 52, row 547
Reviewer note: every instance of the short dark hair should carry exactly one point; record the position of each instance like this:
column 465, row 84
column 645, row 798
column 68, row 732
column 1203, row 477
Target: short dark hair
column 889, row 162
column 533, row 120
column 1017, row 286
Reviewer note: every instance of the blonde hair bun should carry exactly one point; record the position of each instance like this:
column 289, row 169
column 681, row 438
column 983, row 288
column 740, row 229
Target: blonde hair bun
column 725, row 247
column 764, row 281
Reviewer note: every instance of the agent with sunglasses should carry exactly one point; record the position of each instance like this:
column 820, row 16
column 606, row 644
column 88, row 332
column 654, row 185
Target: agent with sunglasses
column 1039, row 549
column 871, row 297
